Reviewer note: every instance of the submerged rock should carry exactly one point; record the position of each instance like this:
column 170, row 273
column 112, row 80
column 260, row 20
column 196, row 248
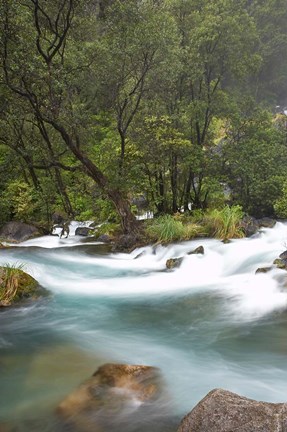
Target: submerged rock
column 18, row 232
column 198, row 250
column 16, row 285
column 114, row 394
column 173, row 263
column 223, row 411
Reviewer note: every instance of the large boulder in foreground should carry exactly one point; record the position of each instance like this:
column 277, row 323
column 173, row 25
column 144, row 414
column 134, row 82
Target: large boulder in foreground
column 18, row 232
column 223, row 411
column 16, row 286
column 115, row 395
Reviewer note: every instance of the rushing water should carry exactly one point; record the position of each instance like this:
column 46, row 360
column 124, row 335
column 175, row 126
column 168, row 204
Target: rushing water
column 210, row 323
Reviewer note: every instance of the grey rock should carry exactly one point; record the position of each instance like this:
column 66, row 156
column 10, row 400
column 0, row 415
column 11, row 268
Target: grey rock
column 223, row 411
column 267, row 222
column 18, row 232
column 125, row 242
column 283, row 255
column 83, row 231
column 250, row 225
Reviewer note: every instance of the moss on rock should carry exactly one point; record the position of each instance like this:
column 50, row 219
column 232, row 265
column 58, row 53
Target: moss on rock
column 16, row 285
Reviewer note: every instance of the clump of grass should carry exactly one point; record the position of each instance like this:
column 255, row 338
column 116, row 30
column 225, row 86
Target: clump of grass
column 15, row 284
column 166, row 229
column 224, row 224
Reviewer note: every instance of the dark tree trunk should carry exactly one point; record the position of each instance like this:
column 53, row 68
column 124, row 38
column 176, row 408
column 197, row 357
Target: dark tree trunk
column 173, row 178
column 161, row 204
column 64, row 196
column 128, row 220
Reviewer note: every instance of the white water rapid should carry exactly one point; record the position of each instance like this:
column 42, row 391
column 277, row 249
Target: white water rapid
column 211, row 323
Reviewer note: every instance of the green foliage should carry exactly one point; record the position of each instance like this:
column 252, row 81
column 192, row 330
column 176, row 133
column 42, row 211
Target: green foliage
column 224, row 224
column 166, row 229
column 105, row 211
column 147, row 98
column 255, row 162
column 20, row 197
column 110, row 228
column 280, row 205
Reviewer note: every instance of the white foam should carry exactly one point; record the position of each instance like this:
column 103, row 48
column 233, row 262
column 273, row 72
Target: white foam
column 228, row 269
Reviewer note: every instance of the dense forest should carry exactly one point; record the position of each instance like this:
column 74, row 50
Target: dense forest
column 170, row 105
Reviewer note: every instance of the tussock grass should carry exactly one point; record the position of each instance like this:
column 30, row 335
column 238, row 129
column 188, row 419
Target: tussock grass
column 14, row 283
column 224, row 224
column 166, row 229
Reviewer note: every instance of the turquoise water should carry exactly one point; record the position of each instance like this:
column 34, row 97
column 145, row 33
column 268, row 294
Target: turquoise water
column 210, row 323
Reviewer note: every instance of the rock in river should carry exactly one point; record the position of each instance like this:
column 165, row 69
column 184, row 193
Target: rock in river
column 18, row 232
column 198, row 250
column 113, row 395
column 83, row 231
column 16, row 286
column 223, row 411
column 173, row 263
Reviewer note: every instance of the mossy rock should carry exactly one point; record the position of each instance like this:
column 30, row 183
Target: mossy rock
column 280, row 263
column 16, row 286
column 263, row 270
column 173, row 263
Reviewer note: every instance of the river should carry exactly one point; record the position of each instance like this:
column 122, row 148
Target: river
column 211, row 323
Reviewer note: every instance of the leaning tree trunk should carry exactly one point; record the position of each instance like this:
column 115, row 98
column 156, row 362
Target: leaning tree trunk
column 128, row 220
